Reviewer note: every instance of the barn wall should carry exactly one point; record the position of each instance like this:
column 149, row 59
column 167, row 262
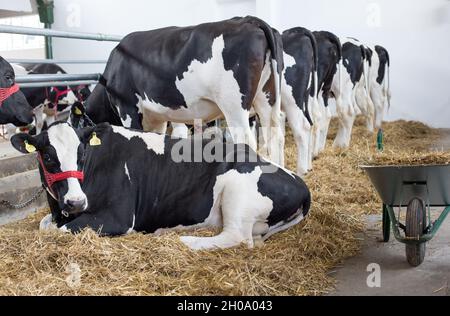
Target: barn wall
column 414, row 31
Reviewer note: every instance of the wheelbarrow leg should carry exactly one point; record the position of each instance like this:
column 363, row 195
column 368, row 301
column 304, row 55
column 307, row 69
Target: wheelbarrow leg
column 386, row 224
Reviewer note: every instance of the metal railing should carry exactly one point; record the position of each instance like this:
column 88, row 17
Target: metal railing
column 55, row 61
column 59, row 79
column 55, row 80
column 54, row 33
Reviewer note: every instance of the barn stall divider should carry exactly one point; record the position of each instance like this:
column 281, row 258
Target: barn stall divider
column 30, row 81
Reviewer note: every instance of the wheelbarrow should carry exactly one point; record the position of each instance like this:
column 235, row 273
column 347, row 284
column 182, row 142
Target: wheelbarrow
column 419, row 188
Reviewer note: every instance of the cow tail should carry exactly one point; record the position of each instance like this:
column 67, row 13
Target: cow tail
column 388, row 79
column 276, row 51
column 365, row 71
column 314, row 78
column 337, row 42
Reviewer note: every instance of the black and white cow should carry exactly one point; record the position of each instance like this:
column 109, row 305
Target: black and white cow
column 329, row 57
column 347, row 84
column 207, row 71
column 371, row 92
column 379, row 83
column 298, row 96
column 50, row 103
column 148, row 182
column 14, row 108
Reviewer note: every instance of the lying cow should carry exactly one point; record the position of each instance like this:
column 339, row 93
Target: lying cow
column 146, row 182
column 14, row 108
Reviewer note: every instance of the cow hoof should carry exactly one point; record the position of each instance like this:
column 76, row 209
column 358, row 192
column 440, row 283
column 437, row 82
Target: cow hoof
column 47, row 223
column 191, row 242
column 258, row 242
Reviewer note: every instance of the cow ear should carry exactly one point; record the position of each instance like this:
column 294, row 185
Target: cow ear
column 84, row 134
column 78, row 109
column 24, row 143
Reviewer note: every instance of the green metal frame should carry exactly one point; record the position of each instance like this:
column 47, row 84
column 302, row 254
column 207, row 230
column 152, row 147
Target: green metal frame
column 433, row 227
column 45, row 9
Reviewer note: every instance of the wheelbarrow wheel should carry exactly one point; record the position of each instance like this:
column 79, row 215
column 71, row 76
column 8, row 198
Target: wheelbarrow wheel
column 386, row 224
column 415, row 225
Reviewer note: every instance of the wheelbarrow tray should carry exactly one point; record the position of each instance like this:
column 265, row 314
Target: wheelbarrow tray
column 396, row 185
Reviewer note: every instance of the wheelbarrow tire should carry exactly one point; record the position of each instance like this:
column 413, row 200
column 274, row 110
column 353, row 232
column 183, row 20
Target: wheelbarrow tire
column 415, row 225
column 386, row 224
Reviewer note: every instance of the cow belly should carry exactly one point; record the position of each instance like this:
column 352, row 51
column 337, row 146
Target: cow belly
column 202, row 109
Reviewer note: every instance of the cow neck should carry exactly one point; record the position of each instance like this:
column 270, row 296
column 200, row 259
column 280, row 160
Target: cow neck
column 5, row 93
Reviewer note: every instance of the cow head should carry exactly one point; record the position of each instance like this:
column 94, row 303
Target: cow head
column 78, row 117
column 14, row 107
column 60, row 153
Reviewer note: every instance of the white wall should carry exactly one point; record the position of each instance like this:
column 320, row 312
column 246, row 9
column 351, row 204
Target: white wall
column 416, row 32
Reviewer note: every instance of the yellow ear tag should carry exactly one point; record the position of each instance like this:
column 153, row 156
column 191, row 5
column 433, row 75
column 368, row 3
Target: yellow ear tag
column 30, row 148
column 78, row 111
column 95, row 141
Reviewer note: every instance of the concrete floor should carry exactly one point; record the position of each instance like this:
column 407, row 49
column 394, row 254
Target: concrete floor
column 397, row 277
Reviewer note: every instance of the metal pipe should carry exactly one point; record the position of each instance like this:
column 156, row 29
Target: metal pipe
column 54, row 33
column 59, row 77
column 57, row 83
column 55, row 61
column 48, row 43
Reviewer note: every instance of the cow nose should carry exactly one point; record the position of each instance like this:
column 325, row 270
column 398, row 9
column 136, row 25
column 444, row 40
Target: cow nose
column 76, row 205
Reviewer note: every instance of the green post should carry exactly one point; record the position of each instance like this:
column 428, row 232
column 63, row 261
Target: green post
column 380, row 140
column 45, row 9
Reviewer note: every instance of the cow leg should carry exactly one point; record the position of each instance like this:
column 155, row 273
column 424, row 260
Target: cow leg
column 317, row 117
column 10, row 130
column 104, row 225
column 243, row 212
column 324, row 130
column 237, row 121
column 39, row 118
column 346, row 114
column 179, row 130
column 365, row 104
column 379, row 100
column 301, row 130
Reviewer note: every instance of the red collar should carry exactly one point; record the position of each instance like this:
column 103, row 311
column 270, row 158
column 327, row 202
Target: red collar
column 60, row 93
column 52, row 178
column 5, row 93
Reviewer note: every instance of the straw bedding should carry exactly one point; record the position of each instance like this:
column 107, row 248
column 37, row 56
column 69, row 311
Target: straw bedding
column 295, row 262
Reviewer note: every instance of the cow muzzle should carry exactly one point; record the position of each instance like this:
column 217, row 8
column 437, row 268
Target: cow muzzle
column 75, row 206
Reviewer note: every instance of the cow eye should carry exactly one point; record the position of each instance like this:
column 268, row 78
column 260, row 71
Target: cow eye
column 47, row 157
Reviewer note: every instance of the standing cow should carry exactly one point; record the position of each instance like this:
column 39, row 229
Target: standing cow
column 207, row 71
column 14, row 108
column 329, row 57
column 347, row 85
column 148, row 182
column 379, row 84
column 298, row 95
column 50, row 103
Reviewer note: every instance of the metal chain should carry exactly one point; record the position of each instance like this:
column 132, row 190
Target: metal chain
column 24, row 204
